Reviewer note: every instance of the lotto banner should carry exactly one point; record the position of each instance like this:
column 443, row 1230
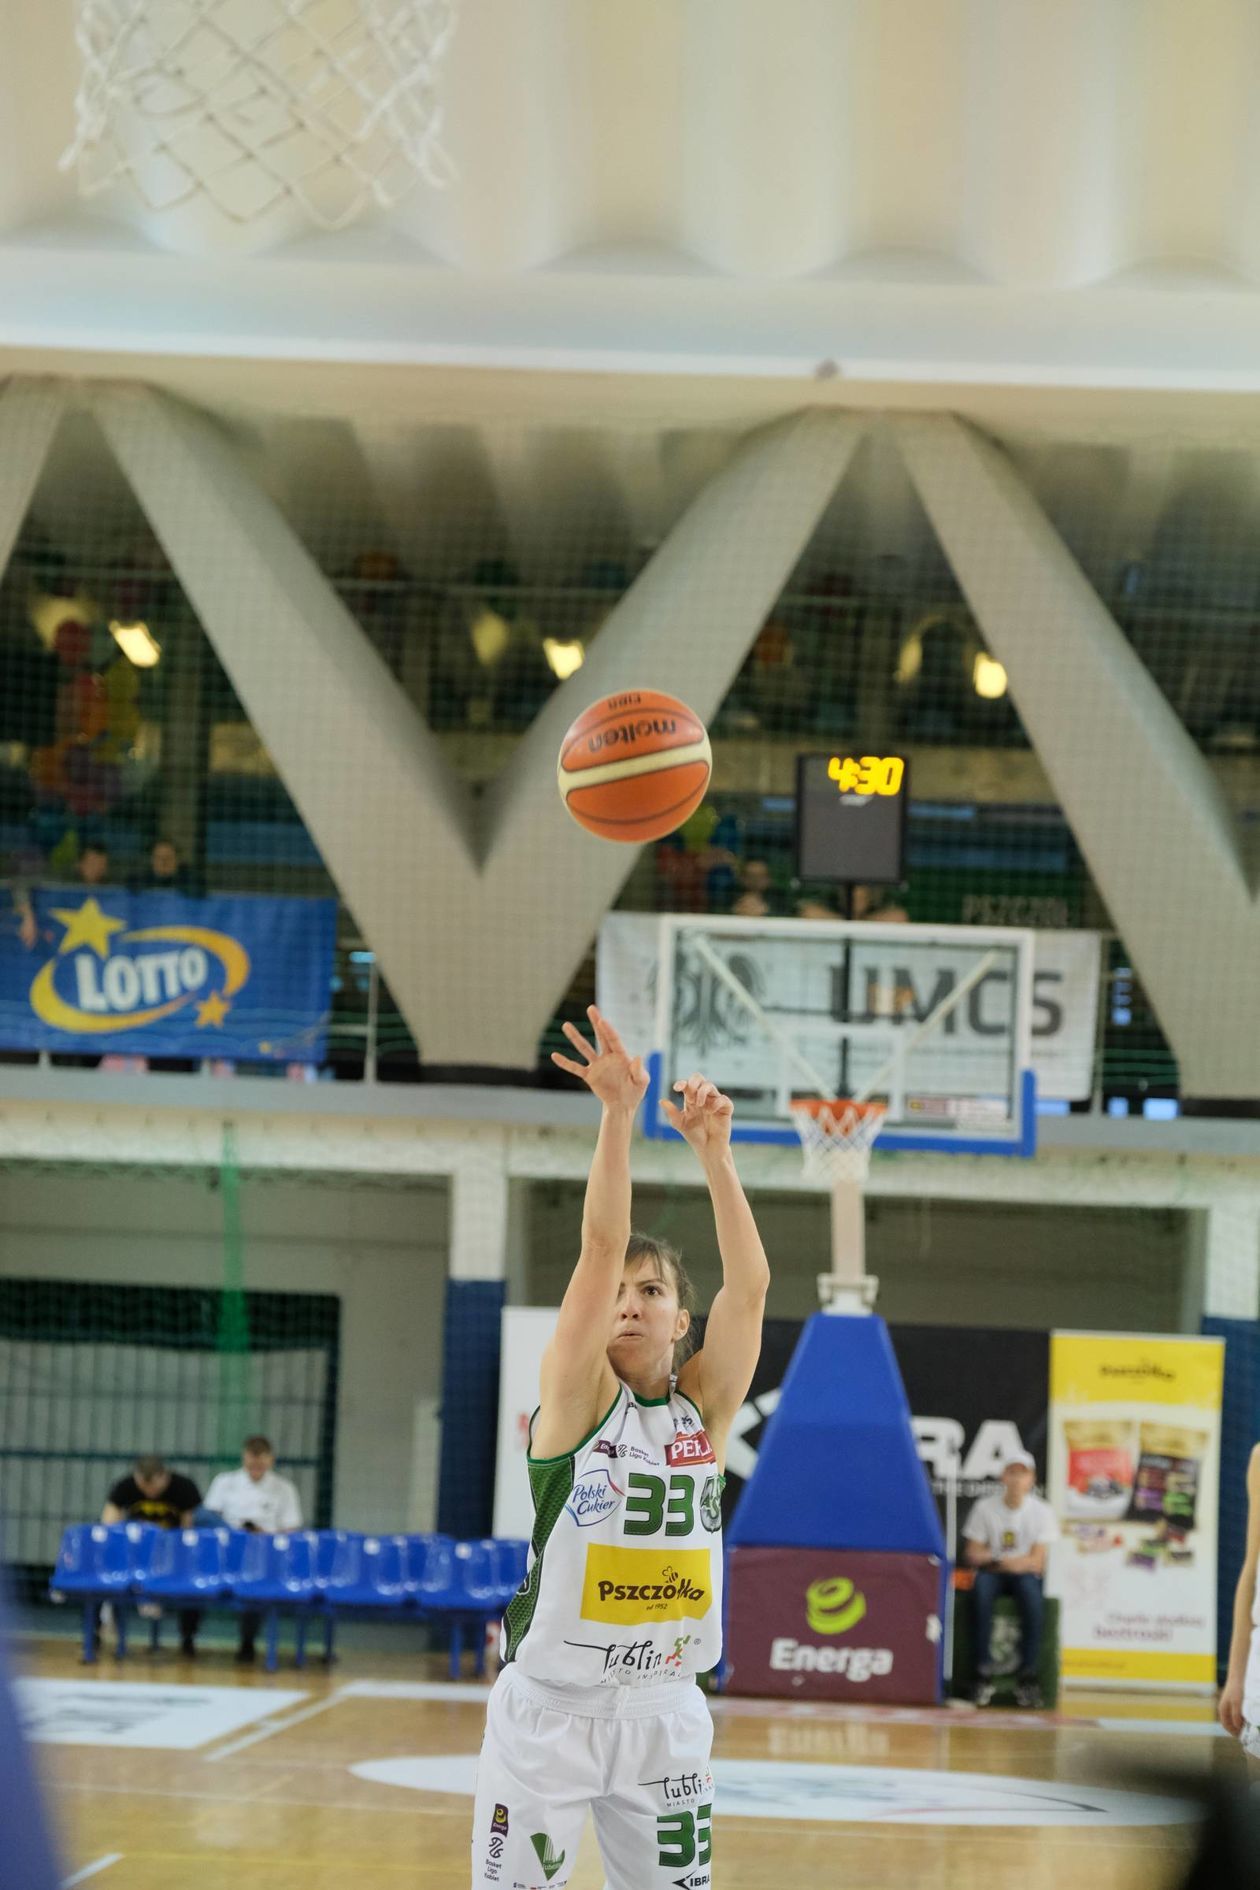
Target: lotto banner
column 1135, row 1433
column 159, row 974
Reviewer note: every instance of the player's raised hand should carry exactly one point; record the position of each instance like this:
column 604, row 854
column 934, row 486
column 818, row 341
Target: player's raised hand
column 704, row 1120
column 607, row 1069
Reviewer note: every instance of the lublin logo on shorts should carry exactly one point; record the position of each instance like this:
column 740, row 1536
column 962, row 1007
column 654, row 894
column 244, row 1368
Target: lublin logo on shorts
column 548, row 1856
column 833, row 1606
column 635, row 1586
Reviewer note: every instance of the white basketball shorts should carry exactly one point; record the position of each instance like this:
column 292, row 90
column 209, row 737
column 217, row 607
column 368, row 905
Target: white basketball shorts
column 636, row 1757
column 1251, row 1699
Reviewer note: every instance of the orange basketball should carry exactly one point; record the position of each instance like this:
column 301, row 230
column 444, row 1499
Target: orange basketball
column 634, row 766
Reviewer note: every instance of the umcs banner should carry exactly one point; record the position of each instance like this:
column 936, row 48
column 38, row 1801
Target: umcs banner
column 160, row 974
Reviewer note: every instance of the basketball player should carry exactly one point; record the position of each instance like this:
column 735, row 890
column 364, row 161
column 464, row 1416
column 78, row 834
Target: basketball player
column 1239, row 1707
column 597, row 1704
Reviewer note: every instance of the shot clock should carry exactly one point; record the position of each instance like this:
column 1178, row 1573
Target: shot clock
column 851, row 817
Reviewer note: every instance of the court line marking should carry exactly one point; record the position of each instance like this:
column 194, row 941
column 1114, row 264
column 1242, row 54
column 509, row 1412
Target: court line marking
column 414, row 1690
column 270, row 1726
column 93, row 1869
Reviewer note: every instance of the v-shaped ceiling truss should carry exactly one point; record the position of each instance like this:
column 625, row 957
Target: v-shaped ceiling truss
column 479, row 911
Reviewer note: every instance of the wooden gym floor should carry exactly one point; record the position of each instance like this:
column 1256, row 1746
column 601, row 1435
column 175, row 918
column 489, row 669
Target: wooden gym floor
column 201, row 1778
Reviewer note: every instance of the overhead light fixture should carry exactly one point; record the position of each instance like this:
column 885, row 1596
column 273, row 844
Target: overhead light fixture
column 490, row 636
column 988, row 677
column 137, row 643
column 564, row 659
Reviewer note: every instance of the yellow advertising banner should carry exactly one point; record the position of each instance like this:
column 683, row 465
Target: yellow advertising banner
column 1133, row 1477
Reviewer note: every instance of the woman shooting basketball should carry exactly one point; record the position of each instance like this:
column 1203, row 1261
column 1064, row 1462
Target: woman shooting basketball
column 597, row 1704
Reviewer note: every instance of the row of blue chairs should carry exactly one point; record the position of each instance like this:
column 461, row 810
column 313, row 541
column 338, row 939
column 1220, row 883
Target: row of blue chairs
column 313, row 1574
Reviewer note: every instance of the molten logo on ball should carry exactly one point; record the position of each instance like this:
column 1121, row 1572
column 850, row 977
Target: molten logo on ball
column 634, row 767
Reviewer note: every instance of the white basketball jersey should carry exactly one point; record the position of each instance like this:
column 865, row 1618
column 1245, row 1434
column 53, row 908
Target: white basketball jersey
column 625, row 1573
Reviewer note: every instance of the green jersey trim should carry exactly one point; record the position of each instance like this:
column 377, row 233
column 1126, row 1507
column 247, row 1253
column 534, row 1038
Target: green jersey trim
column 551, row 1482
column 650, row 1401
column 561, row 1456
column 691, row 1401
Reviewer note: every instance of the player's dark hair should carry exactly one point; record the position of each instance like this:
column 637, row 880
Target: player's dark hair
column 669, row 1260
column 149, row 1467
column 257, row 1447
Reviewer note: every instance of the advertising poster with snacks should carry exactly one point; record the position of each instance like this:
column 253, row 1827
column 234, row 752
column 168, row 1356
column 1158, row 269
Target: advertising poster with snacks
column 1134, row 1467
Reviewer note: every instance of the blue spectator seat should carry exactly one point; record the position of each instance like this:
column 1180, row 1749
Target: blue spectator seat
column 276, row 1572
column 103, row 1562
column 188, row 1566
column 370, row 1572
column 464, row 1593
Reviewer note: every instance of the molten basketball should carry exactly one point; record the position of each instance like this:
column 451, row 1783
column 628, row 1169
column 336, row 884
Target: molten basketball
column 633, row 767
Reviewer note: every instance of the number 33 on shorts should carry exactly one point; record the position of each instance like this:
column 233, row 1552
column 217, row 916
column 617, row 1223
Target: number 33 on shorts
column 685, row 1838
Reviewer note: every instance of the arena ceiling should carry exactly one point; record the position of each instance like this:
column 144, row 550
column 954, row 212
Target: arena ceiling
column 673, row 220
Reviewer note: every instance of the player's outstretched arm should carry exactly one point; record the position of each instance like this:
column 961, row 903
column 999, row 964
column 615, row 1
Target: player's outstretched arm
column 732, row 1338
column 1229, row 1707
column 576, row 1374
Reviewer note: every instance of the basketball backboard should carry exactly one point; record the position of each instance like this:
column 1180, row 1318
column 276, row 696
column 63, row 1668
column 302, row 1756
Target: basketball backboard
column 934, row 1020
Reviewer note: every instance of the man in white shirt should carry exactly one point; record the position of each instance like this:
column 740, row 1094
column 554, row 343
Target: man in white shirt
column 1005, row 1538
column 255, row 1498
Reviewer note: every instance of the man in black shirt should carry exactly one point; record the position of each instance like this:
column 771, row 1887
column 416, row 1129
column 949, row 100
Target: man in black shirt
column 154, row 1494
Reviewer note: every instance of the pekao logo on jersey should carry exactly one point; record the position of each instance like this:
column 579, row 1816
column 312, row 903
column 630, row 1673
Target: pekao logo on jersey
column 690, row 1447
column 594, row 1497
column 634, row 1587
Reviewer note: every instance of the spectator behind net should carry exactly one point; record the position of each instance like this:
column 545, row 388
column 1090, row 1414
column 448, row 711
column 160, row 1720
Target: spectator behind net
column 760, row 897
column 92, row 866
column 166, row 872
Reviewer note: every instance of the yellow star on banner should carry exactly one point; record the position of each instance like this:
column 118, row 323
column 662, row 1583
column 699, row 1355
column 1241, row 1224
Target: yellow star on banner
column 87, row 926
column 212, row 1010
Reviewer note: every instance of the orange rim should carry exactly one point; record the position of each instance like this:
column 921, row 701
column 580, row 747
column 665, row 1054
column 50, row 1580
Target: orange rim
column 819, row 1105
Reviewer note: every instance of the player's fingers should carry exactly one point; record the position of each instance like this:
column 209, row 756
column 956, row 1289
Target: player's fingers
column 605, row 1033
column 722, row 1105
column 579, row 1042
column 567, row 1063
column 671, row 1113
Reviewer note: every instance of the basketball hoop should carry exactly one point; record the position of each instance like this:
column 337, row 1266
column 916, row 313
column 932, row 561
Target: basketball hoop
column 331, row 105
column 837, row 1136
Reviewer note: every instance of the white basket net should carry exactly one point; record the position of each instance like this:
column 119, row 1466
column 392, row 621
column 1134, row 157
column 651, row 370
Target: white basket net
column 332, row 104
column 837, row 1138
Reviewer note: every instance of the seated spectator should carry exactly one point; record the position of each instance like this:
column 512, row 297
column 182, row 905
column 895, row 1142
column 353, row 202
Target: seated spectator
column 166, row 872
column 1006, row 1538
column 255, row 1498
column 760, row 897
column 92, row 866
column 810, row 906
column 880, row 904
column 151, row 1493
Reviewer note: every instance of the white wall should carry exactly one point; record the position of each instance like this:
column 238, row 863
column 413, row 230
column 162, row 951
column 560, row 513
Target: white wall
column 381, row 1249
column 938, row 1262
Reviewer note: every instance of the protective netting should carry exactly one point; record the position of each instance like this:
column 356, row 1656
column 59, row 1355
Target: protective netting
column 251, row 104
column 479, row 563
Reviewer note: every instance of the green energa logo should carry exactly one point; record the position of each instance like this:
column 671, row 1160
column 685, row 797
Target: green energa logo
column 548, row 1856
column 834, row 1606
